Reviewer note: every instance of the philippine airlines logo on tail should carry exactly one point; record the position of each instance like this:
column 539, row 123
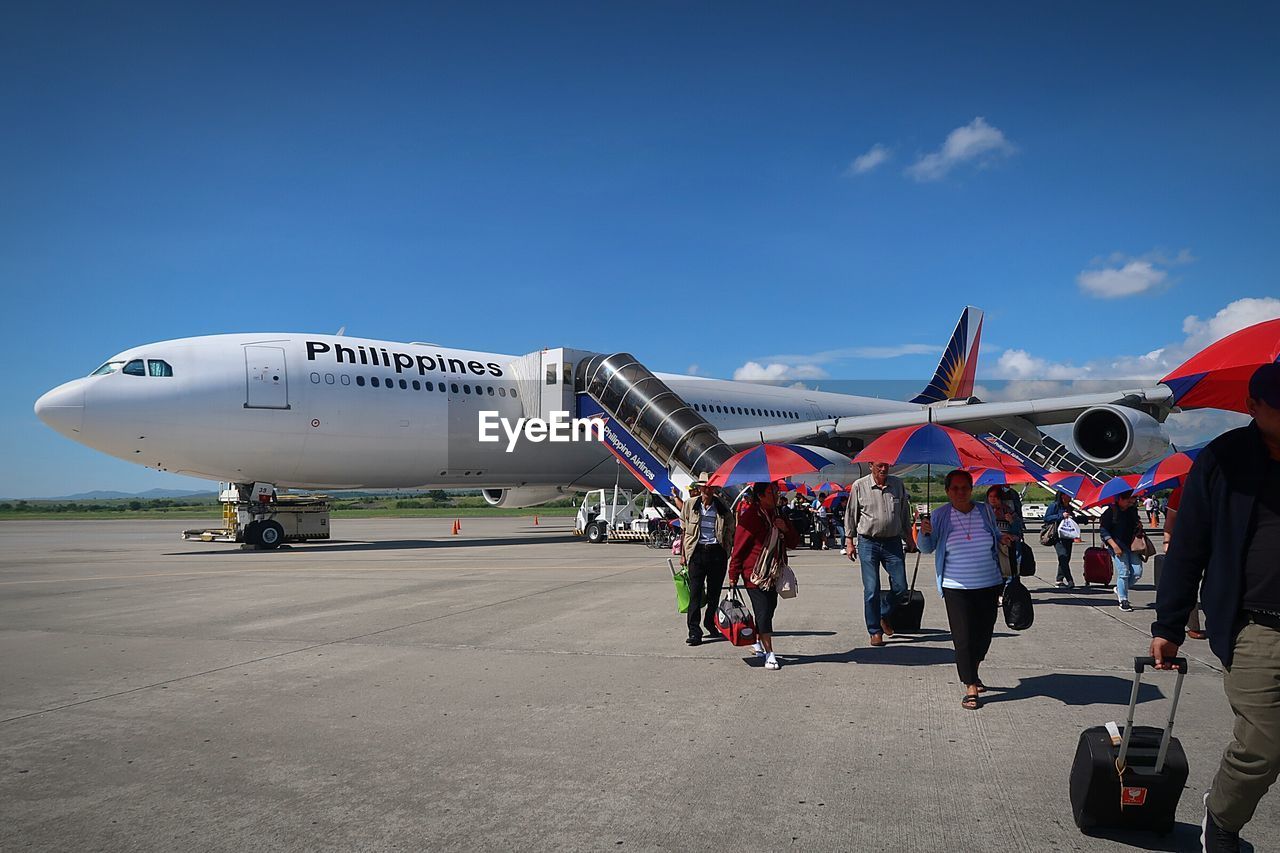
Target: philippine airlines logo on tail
column 954, row 377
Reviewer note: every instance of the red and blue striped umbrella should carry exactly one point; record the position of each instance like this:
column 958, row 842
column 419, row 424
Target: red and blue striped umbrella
column 1070, row 482
column 999, row 476
column 831, row 487
column 766, row 463
column 1168, row 472
column 1218, row 376
column 1107, row 492
column 929, row 444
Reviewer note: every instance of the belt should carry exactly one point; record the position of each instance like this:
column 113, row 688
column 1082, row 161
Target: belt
column 880, row 538
column 1266, row 618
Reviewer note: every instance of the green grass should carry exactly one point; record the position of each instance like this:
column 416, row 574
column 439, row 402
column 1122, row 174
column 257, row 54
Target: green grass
column 213, row 515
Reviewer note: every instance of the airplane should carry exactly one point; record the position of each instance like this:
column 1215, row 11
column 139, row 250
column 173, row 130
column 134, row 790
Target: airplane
column 306, row 411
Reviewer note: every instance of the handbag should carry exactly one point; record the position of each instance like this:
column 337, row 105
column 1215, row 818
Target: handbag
column 769, row 564
column 1005, row 557
column 1018, row 612
column 1069, row 529
column 787, row 585
column 1143, row 547
column 1049, row 533
column 1026, row 560
column 734, row 620
column 681, row 578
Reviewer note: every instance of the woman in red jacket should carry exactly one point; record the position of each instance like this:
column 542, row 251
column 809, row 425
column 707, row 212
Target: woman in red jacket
column 755, row 521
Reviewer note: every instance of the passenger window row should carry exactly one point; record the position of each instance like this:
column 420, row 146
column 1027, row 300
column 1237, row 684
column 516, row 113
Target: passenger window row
column 745, row 410
column 417, row 385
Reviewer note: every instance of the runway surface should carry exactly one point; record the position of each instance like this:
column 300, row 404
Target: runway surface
column 514, row 687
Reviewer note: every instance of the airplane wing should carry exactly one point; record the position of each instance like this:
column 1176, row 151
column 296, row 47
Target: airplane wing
column 1020, row 416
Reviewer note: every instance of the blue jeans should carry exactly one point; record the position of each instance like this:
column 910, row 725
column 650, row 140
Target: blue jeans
column 872, row 554
column 1128, row 571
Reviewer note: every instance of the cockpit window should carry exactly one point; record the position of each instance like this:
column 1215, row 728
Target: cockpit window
column 156, row 367
column 134, row 368
column 109, row 367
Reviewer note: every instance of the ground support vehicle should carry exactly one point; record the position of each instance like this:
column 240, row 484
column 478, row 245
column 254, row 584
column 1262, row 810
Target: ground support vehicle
column 258, row 518
column 616, row 515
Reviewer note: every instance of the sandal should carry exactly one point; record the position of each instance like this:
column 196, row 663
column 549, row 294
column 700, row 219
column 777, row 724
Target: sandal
column 982, row 688
column 970, row 703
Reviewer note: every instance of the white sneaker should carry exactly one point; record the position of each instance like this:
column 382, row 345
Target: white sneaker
column 759, row 650
column 771, row 662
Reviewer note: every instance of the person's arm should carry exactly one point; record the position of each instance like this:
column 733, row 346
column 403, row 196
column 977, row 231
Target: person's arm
column 1186, row 561
column 926, row 542
column 1054, row 512
column 904, row 519
column 688, row 531
column 743, row 540
column 1016, row 525
column 851, row 523
column 730, row 523
column 790, row 536
column 1169, row 515
column 1104, row 529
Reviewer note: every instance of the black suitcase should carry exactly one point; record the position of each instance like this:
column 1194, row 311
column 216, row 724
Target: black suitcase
column 1135, row 785
column 906, row 617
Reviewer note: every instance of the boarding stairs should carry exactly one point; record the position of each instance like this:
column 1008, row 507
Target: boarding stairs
column 1046, row 457
column 652, row 431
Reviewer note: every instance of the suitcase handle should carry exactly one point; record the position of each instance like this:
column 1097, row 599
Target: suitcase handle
column 1139, row 664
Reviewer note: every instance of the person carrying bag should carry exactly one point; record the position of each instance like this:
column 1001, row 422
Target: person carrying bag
column 759, row 555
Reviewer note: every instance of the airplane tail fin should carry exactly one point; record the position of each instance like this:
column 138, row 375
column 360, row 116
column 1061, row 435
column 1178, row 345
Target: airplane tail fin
column 954, row 377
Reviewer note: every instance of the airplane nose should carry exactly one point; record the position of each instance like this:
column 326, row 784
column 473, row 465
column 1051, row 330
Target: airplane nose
column 63, row 408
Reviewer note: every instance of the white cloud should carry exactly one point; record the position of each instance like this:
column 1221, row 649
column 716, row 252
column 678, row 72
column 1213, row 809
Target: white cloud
column 1120, row 275
column 693, row 370
column 1236, row 316
column 1022, row 366
column 976, row 141
column 1128, row 280
column 753, row 371
column 877, row 352
column 877, row 155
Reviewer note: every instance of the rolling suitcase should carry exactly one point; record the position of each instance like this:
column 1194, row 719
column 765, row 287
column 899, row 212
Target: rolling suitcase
column 1136, row 784
column 906, row 617
column 1097, row 566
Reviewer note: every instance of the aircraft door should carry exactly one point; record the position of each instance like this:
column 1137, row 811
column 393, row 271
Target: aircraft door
column 266, row 382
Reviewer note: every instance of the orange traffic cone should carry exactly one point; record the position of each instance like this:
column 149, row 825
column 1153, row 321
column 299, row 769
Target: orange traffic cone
column 535, row 521
column 454, row 530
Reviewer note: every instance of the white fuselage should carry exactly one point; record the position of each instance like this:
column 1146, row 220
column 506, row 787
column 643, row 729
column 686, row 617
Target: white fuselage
column 303, row 411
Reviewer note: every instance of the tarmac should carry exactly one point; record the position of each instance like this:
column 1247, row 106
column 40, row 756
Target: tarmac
column 513, row 687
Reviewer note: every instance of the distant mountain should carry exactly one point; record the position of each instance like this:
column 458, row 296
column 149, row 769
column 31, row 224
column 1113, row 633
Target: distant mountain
column 147, row 495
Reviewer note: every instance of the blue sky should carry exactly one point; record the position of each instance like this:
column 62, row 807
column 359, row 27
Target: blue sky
column 613, row 176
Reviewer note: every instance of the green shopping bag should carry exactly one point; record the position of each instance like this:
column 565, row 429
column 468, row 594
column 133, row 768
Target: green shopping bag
column 681, row 579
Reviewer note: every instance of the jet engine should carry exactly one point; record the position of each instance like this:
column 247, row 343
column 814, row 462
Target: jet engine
column 523, row 495
column 1119, row 437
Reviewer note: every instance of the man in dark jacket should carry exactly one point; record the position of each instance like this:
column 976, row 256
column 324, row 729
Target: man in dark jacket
column 1228, row 533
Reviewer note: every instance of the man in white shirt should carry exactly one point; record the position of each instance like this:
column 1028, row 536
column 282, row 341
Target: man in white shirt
column 877, row 525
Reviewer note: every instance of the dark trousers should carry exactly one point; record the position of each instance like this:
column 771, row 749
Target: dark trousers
column 971, row 613
column 707, row 567
column 1063, row 549
column 764, row 603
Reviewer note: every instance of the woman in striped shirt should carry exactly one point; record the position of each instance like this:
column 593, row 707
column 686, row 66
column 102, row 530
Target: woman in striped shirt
column 965, row 537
